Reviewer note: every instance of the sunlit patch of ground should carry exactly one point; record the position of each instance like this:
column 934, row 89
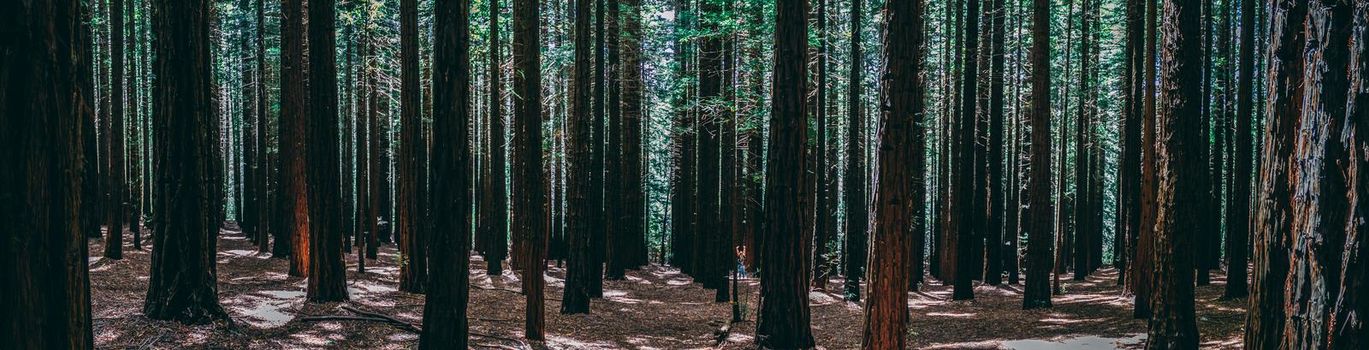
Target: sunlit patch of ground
column 652, row 308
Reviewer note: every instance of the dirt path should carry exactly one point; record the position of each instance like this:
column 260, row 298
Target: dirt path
column 655, row 308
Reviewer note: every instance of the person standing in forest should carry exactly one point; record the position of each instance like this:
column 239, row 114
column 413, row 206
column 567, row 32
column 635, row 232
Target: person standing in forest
column 784, row 313
column 897, row 189
column 45, row 301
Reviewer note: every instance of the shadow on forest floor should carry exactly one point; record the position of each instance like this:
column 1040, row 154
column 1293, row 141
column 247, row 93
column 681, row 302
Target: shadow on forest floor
column 653, row 308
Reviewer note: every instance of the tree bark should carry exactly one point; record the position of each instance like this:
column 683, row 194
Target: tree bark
column 886, row 315
column 1238, row 213
column 444, row 312
column 530, row 192
column 413, row 267
column 43, row 116
column 784, row 314
column 1037, row 293
column 857, row 176
column 182, row 281
column 579, row 214
column 1273, row 226
column 1317, row 181
column 294, row 122
column 115, row 204
column 1181, row 196
column 327, row 275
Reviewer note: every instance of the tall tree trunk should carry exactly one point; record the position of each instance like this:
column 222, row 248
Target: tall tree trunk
column 444, row 312
column 1082, row 130
column 182, row 284
column 1273, row 228
column 530, row 191
column 1142, row 264
column 263, row 163
column 579, row 215
column 996, row 225
column 1129, row 165
column 1317, row 180
column 413, row 267
column 857, row 202
column 294, row 122
column 784, row 315
column 327, row 276
column 1181, row 197
column 886, row 311
column 494, row 202
column 966, row 221
column 43, row 113
column 597, row 218
column 1238, row 214
column 634, row 201
column 710, row 83
column 1037, row 293
column 115, row 204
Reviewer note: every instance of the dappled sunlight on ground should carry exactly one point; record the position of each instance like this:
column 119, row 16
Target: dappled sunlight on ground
column 655, row 307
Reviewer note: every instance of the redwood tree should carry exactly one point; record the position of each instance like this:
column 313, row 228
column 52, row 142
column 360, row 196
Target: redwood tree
column 784, row 315
column 898, row 189
column 413, row 266
column 1181, row 195
column 579, row 215
column 1265, row 320
column 444, row 311
column 857, row 202
column 327, row 278
column 182, row 283
column 530, row 191
column 1037, row 293
column 45, row 301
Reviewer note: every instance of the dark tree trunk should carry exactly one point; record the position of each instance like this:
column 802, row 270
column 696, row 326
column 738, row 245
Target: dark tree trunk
column 1238, row 213
column 444, row 312
column 596, row 214
column 634, row 201
column 967, row 220
column 822, row 217
column 413, row 267
column 1318, row 183
column 1347, row 324
column 886, row 311
column 494, row 200
column 43, row 114
column 114, row 202
column 182, row 280
column 579, row 214
column 1181, row 196
column 260, row 169
column 377, row 191
column 994, row 233
column 530, row 192
column 712, row 271
column 634, row 206
column 1265, row 320
column 1082, row 135
column 615, row 228
column 1129, row 165
column 1142, row 263
column 784, row 315
column 1037, row 293
column 327, row 276
column 91, row 168
column 857, row 202
column 294, row 123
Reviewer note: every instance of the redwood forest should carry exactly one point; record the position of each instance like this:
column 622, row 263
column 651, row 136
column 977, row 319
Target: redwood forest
column 684, row 174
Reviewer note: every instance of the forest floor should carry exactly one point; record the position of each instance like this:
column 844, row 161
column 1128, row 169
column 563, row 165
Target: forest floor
column 654, row 308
